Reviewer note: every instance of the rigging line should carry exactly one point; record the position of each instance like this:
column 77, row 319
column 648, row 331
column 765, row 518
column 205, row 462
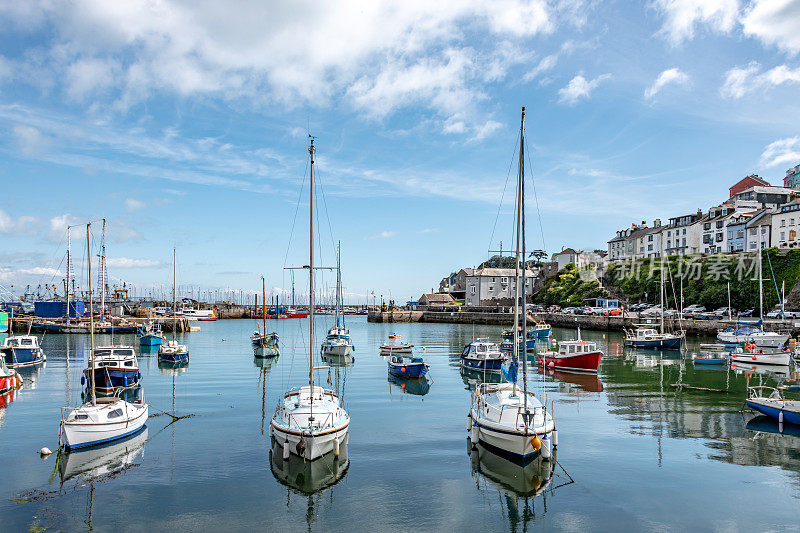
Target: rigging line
column 325, row 204
column 535, row 196
column 294, row 220
column 502, row 196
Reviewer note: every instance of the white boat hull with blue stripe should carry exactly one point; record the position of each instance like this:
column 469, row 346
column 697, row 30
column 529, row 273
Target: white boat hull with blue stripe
column 106, row 420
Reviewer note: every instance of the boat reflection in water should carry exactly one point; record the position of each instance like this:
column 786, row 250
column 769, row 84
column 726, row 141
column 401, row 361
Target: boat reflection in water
column 473, row 377
column 765, row 424
column 130, row 394
column 308, row 477
column 778, row 372
column 146, row 350
column 584, row 381
column 173, row 368
column 265, row 363
column 514, row 482
column 103, row 460
column 417, row 387
column 338, row 360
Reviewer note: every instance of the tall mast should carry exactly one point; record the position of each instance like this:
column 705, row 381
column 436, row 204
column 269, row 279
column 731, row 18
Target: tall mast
column 264, row 306
column 338, row 281
column 91, row 312
column 174, row 318
column 103, row 272
column 524, row 314
column 761, row 288
column 69, row 243
column 517, row 249
column 662, row 288
column 311, row 272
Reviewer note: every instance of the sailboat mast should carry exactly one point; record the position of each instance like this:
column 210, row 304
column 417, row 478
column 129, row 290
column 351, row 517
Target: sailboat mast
column 69, row 244
column 516, row 252
column 661, row 293
column 103, row 273
column 761, row 288
column 174, row 318
column 91, row 312
column 264, row 305
column 311, row 272
column 338, row 282
column 524, row 314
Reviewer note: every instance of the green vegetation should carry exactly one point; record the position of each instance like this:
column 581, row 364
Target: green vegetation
column 569, row 288
column 705, row 279
column 498, row 262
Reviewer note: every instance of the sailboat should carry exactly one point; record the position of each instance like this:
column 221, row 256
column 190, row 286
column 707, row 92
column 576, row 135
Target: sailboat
column 310, row 421
column 337, row 343
column 172, row 351
column 503, row 418
column 764, row 347
column 264, row 344
column 646, row 336
column 100, row 420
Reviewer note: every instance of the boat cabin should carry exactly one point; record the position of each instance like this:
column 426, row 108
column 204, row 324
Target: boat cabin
column 21, row 341
column 576, row 347
column 482, row 349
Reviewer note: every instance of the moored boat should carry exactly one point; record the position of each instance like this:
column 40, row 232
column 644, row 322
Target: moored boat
column 9, row 378
column 150, row 335
column 709, row 359
column 173, row 351
column 574, row 356
column 750, row 353
column 112, row 368
column 21, row 351
column 407, row 367
column 388, row 348
column 649, row 338
column 770, row 401
column 481, row 354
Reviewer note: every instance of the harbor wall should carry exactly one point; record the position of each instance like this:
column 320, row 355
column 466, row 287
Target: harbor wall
column 600, row 323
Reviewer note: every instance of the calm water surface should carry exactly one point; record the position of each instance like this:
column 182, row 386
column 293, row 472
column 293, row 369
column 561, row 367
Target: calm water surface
column 634, row 452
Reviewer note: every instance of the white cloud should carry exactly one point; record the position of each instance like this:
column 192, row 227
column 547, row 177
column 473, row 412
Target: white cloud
column 740, row 81
column 579, row 88
column 88, row 76
column 486, row 129
column 24, row 224
column 545, row 65
column 381, row 235
column 782, row 151
column 30, row 141
column 774, row 22
column 669, row 76
column 126, row 262
column 683, row 16
column 57, row 230
column 132, row 204
column 428, row 230
column 5, row 69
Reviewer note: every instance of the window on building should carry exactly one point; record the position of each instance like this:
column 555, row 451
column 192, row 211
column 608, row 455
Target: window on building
column 783, row 223
column 792, row 234
column 494, row 280
column 791, row 222
column 684, row 241
column 752, row 246
column 719, row 224
column 649, row 247
column 684, row 231
column 472, row 289
column 707, row 226
column 753, row 231
column 720, row 237
column 740, row 234
column 783, row 235
column 503, row 280
column 763, row 231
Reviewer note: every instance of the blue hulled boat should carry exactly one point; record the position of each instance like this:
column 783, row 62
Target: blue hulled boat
column 651, row 339
column 22, row 350
column 115, row 367
column 150, row 335
column 770, row 401
column 508, row 340
column 407, row 367
column 482, row 355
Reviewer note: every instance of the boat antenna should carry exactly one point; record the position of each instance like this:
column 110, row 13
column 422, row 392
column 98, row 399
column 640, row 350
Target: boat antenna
column 91, row 313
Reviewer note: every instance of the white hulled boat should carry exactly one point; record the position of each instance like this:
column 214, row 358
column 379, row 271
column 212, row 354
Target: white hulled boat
column 310, row 421
column 173, row 351
column 100, row 420
column 338, row 342
column 507, row 418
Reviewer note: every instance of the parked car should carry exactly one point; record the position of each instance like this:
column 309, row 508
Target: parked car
column 554, row 309
column 651, row 311
column 612, row 311
column 669, row 313
column 777, row 313
column 571, row 311
column 717, row 314
column 692, row 310
column 747, row 312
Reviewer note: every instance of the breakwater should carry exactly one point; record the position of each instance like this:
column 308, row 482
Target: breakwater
column 600, row 323
column 23, row 324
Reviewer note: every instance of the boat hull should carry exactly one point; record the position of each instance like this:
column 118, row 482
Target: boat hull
column 656, row 344
column 505, row 441
column 773, row 409
column 337, row 350
column 777, row 358
column 108, row 379
column 488, row 364
column 9, row 382
column 78, row 435
column 582, row 362
column 710, row 360
column 408, row 370
column 150, row 340
column 314, row 445
column 20, row 357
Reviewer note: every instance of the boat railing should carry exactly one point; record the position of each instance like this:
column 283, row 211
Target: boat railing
column 759, row 391
column 326, row 422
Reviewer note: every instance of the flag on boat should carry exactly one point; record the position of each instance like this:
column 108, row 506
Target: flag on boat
column 510, row 371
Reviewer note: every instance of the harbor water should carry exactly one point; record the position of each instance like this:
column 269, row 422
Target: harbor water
column 635, row 452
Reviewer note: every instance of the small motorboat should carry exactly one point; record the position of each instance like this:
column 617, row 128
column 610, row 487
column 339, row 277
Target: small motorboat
column 574, row 356
column 482, row 355
column 407, row 367
column 396, row 347
column 113, row 368
column 102, row 420
column 9, row 378
column 337, row 343
column 394, row 336
column 508, row 340
column 709, row 359
column 650, row 338
column 752, row 353
column 150, row 335
column 770, row 401
column 22, row 350
column 735, row 335
column 173, row 352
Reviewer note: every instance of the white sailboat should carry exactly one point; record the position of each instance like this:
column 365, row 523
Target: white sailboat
column 310, row 421
column 264, row 344
column 338, row 343
column 763, row 347
column 100, row 420
column 503, row 418
column 172, row 351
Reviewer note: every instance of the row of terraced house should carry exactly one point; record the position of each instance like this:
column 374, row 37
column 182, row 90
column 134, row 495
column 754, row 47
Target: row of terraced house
column 756, row 215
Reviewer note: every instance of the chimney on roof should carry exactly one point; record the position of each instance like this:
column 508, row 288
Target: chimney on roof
column 699, row 213
column 657, row 223
column 644, row 223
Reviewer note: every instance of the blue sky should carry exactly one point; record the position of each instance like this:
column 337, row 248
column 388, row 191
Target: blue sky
column 185, row 123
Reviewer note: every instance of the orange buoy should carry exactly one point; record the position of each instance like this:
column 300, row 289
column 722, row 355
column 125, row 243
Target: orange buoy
column 536, row 443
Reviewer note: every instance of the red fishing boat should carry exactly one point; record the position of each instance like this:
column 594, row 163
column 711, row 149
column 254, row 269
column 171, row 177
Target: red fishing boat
column 9, row 378
column 573, row 356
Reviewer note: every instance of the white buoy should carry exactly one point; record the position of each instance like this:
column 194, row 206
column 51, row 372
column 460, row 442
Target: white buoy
column 44, row 452
column 469, row 423
column 336, row 447
column 286, row 449
column 545, row 448
column 473, row 435
column 270, row 430
column 780, row 417
column 555, row 438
